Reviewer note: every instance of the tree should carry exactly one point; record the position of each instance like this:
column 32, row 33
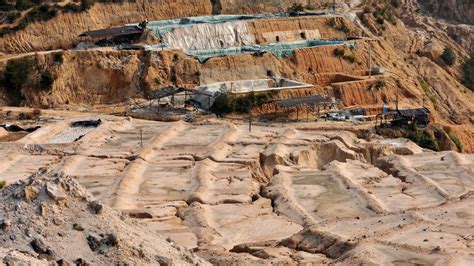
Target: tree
column 468, row 69
column 86, row 4
column 16, row 73
column 47, row 80
column 295, row 8
column 23, row 4
column 422, row 138
column 222, row 104
column 448, row 56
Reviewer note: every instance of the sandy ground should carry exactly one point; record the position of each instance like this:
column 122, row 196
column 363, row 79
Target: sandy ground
column 282, row 193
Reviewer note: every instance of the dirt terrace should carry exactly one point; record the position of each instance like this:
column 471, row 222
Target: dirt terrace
column 281, row 193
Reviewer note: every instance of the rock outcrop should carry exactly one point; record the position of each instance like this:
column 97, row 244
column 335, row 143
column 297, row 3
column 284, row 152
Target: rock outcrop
column 458, row 10
column 57, row 225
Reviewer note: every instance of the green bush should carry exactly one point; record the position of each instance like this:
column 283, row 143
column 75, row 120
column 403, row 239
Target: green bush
column 424, row 85
column 395, row 3
column 12, row 16
column 5, row 6
column 23, row 4
column 222, row 104
column 448, row 56
column 227, row 103
column 46, row 81
column 343, row 27
column 468, row 69
column 428, row 93
column 422, row 138
column 380, row 84
column 385, row 10
column 455, row 139
column 338, row 52
column 380, row 20
column 350, row 58
column 39, row 12
column 86, row 4
column 338, row 26
column 16, row 73
column 175, row 57
column 72, row 8
column 58, row 58
column 3, row 184
column 296, row 7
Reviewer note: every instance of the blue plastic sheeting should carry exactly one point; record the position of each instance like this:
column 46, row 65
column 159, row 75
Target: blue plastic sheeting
column 277, row 49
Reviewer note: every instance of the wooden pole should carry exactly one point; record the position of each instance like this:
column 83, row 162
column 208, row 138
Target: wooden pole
column 141, row 137
column 185, row 99
column 370, row 59
column 397, row 97
column 250, row 118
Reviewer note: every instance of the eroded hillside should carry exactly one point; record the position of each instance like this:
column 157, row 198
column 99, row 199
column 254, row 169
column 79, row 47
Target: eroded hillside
column 409, row 50
column 459, row 10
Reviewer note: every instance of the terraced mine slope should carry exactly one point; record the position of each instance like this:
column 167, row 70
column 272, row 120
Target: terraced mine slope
column 81, row 183
column 280, row 193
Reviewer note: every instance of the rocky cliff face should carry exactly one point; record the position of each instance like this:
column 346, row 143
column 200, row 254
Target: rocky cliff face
column 458, row 10
column 454, row 11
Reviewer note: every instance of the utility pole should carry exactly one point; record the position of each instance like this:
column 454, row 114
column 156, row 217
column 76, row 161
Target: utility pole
column 250, row 118
column 319, row 112
column 185, row 100
column 370, row 59
column 307, row 114
column 141, row 137
column 398, row 89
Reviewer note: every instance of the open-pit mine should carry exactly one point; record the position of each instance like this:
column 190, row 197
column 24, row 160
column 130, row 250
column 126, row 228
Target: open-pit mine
column 235, row 132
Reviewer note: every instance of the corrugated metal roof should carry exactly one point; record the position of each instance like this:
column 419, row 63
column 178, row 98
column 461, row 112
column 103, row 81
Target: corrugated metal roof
column 167, row 92
column 112, row 32
column 414, row 112
column 310, row 100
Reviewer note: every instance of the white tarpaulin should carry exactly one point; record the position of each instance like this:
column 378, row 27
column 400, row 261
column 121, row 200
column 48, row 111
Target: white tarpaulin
column 210, row 36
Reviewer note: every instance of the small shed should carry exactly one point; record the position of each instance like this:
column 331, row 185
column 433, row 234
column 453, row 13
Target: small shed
column 407, row 116
column 118, row 35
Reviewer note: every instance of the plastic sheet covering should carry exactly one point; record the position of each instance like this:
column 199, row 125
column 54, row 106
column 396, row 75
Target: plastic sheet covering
column 277, row 49
column 210, row 36
column 205, row 95
column 161, row 27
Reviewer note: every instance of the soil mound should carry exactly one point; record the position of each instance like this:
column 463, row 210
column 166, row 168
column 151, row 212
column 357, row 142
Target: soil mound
column 51, row 218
